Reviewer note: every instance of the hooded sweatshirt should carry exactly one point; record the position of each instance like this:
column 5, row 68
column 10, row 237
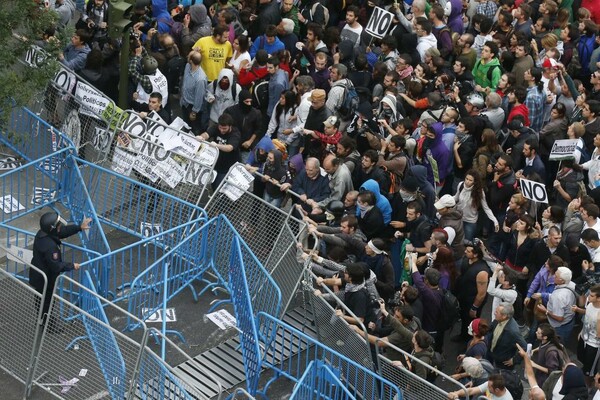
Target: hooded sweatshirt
column 380, row 201
column 160, row 12
column 265, row 144
column 480, row 73
column 199, row 28
column 424, row 43
column 223, row 98
column 437, row 151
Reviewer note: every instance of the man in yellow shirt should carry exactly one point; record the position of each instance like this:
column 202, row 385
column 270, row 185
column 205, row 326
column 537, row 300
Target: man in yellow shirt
column 216, row 52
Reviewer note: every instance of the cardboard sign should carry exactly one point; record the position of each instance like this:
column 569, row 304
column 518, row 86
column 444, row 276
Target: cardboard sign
column 238, row 180
column 534, row 191
column 563, row 149
column 379, row 23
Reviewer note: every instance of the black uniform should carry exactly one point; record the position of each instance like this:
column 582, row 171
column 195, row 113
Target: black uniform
column 47, row 257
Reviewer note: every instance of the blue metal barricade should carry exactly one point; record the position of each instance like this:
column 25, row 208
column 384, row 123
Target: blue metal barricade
column 134, row 207
column 321, row 382
column 102, row 339
column 33, row 186
column 246, row 321
column 281, row 339
column 30, row 137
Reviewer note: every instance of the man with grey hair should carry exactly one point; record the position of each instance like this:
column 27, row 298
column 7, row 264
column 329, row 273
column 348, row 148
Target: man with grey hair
column 339, row 86
column 309, row 184
column 503, row 335
column 285, row 33
column 559, row 309
column 494, row 112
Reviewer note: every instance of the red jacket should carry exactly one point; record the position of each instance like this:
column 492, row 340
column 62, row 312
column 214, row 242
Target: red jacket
column 521, row 109
column 247, row 76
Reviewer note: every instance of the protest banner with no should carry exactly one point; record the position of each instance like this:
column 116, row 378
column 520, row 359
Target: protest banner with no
column 379, row 23
column 534, row 191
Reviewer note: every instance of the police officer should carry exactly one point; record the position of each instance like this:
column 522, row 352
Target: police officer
column 47, row 255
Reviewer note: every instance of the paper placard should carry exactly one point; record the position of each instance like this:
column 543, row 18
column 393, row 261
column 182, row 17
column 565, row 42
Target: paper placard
column 19, row 254
column 238, row 180
column 534, row 191
column 10, row 204
column 122, row 162
column 379, row 23
column 94, row 102
column 563, row 149
column 222, row 318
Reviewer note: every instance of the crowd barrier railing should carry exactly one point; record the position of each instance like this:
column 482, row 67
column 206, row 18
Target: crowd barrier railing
column 321, row 382
column 272, row 234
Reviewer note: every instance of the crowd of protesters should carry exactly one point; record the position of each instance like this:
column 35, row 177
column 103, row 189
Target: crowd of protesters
column 401, row 151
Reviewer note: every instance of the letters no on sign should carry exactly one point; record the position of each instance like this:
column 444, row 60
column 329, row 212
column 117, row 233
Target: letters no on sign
column 379, row 23
column 534, row 191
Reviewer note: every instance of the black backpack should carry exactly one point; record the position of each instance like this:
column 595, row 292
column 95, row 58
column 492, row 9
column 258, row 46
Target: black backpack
column 438, row 362
column 450, row 310
column 490, row 71
column 260, row 92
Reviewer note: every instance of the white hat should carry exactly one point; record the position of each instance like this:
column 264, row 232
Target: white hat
column 447, row 201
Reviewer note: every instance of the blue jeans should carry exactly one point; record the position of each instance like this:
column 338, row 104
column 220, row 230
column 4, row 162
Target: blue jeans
column 470, row 229
column 274, row 201
column 564, row 331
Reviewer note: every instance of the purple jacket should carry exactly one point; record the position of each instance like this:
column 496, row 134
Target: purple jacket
column 455, row 22
column 542, row 283
column 440, row 153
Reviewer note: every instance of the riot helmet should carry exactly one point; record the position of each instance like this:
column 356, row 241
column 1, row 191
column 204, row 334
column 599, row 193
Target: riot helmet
column 149, row 65
column 50, row 221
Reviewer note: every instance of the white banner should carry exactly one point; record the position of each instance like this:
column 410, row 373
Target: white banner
column 9, row 162
column 122, row 162
column 563, row 149
column 240, row 177
column 35, row 56
column 534, row 191
column 146, row 165
column 379, row 23
column 94, row 102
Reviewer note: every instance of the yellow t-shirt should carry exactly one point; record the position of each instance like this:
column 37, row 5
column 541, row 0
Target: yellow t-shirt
column 214, row 56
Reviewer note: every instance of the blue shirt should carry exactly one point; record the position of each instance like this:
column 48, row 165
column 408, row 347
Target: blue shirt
column 535, row 104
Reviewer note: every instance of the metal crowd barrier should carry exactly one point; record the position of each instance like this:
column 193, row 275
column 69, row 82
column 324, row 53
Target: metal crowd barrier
column 334, row 331
column 413, row 386
column 272, row 234
column 134, row 207
column 280, row 339
column 85, row 353
column 28, row 137
column 33, row 185
column 20, row 319
column 321, row 382
column 243, row 293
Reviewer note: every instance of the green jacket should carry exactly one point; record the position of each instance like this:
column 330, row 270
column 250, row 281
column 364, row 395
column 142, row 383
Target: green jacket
column 482, row 77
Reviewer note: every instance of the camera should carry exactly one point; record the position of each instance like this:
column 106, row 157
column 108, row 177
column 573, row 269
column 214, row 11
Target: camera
column 588, row 281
